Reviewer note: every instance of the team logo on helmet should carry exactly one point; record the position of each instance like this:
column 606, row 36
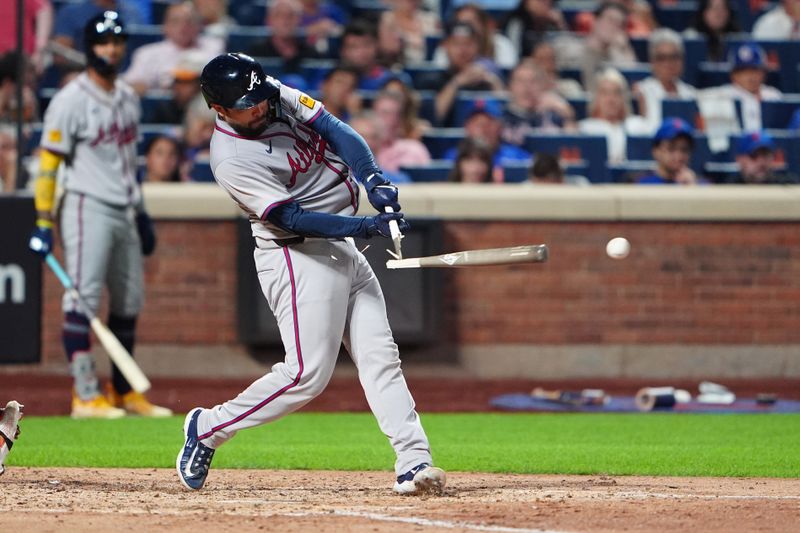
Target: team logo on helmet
column 254, row 80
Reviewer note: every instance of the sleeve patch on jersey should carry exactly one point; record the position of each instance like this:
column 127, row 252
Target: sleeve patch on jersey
column 54, row 136
column 307, row 101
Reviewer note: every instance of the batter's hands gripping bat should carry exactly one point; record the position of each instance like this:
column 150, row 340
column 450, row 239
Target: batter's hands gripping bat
column 530, row 253
column 115, row 350
column 396, row 235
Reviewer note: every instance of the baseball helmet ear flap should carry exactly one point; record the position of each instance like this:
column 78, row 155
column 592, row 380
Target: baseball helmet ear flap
column 237, row 81
column 100, row 29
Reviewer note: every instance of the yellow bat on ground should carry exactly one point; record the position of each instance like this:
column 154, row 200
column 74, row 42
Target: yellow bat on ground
column 115, row 350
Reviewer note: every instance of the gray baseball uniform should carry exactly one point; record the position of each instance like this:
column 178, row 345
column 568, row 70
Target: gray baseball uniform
column 96, row 131
column 322, row 291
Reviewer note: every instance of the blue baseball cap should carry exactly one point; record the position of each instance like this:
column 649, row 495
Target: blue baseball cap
column 756, row 140
column 493, row 108
column 671, row 128
column 748, row 55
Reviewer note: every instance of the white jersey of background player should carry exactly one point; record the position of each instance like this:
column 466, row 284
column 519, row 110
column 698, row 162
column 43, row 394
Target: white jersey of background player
column 91, row 126
column 286, row 161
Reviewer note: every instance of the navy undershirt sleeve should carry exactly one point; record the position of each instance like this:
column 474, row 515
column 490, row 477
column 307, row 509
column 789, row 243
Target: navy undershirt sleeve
column 348, row 144
column 292, row 217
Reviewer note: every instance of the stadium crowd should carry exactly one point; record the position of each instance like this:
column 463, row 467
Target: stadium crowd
column 498, row 91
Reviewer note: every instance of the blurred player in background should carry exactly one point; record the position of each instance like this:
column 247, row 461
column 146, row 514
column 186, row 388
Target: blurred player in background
column 287, row 163
column 91, row 126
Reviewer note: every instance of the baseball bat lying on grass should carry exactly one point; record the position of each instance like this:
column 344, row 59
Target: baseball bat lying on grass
column 531, row 253
column 115, row 350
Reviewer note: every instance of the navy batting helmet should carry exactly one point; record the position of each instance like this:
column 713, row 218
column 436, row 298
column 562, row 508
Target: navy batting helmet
column 237, row 81
column 99, row 30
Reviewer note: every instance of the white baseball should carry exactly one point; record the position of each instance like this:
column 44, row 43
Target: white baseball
column 618, row 248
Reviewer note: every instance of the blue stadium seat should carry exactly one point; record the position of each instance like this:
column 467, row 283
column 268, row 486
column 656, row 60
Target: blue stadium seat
column 248, row 12
column 201, row 171
column 581, row 107
column 685, row 109
column 427, row 109
column 787, row 149
column 157, row 10
column 515, row 173
column 635, row 73
column 776, row 115
column 242, row 39
column 440, row 140
column 747, row 11
column 574, row 147
column 431, row 44
column 314, row 70
column 151, row 101
column 142, row 34
column 696, row 52
column 640, row 48
column 677, row 15
column 436, row 170
column 149, row 131
column 629, row 171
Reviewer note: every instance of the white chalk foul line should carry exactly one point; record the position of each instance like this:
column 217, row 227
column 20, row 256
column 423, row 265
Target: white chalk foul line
column 448, row 524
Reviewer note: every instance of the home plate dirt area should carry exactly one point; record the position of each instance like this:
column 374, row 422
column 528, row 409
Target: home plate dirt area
column 102, row 500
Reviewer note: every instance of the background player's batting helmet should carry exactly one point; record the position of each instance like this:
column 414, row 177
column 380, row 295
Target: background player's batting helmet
column 237, row 81
column 99, row 30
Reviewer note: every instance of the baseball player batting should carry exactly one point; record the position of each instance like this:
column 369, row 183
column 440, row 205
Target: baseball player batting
column 91, row 126
column 287, row 163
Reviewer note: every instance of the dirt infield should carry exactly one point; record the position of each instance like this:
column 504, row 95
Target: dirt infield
column 102, row 500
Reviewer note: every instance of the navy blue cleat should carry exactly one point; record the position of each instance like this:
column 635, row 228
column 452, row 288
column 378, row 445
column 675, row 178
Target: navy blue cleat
column 422, row 479
column 195, row 457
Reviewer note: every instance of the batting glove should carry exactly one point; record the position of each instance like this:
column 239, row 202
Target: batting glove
column 381, row 193
column 41, row 240
column 379, row 224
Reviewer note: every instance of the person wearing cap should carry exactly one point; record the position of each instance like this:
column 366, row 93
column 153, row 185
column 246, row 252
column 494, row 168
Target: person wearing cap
column 468, row 71
column 484, row 124
column 672, row 149
column 153, row 65
column 755, row 155
column 185, row 88
column 531, row 107
column 748, row 72
column 780, row 22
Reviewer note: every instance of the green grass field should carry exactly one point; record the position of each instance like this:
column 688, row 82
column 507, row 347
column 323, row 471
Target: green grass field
column 646, row 444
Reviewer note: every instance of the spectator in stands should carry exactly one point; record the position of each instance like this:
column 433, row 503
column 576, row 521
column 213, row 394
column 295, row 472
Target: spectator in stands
column 606, row 45
column 413, row 24
column 665, row 49
column 412, row 125
column 544, row 57
column 467, row 72
column 72, row 17
column 473, row 163
column 338, row 91
column 494, row 45
column 396, row 151
column 640, row 21
column 321, row 20
column 714, row 20
column 163, row 157
column 367, row 124
column 152, row 65
column 781, row 22
column 8, row 91
column 198, row 125
column 284, row 39
column 531, row 108
column 185, row 88
column 360, row 51
column 755, row 155
column 527, row 24
column 546, row 169
column 748, row 72
column 672, row 149
column 8, row 158
column 610, row 115
column 485, row 125
column 36, row 28
column 216, row 21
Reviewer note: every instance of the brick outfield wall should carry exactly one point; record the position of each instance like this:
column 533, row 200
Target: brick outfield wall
column 684, row 283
